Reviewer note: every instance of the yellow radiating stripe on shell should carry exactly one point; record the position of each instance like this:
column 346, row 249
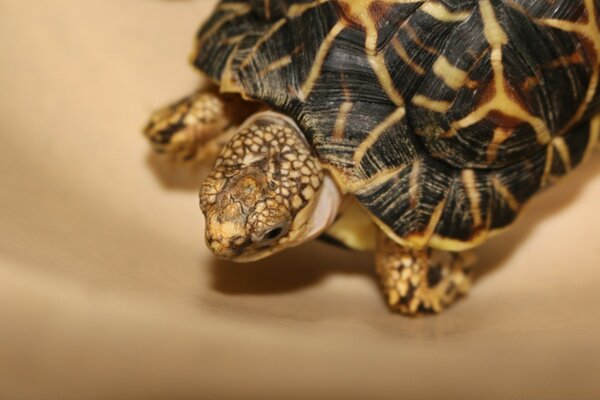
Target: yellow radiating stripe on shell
column 389, row 121
column 275, row 65
column 441, row 13
column 228, row 83
column 563, row 151
column 421, row 239
column 501, row 100
column 433, row 105
column 315, row 70
column 470, row 184
column 548, row 167
column 559, row 144
column 401, row 51
column 359, row 186
column 591, row 31
column 234, row 10
column 452, row 76
column 340, row 121
column 413, row 179
column 506, row 194
column 500, row 136
column 265, row 36
column 298, row 9
column 359, row 12
column 383, row 75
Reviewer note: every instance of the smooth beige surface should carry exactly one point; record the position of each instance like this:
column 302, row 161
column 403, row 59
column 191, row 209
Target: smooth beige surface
column 107, row 290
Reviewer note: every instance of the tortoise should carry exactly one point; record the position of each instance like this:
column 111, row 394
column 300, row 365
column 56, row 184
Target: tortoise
column 414, row 128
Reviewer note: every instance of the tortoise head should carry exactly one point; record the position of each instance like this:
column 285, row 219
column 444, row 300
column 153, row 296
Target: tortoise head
column 266, row 191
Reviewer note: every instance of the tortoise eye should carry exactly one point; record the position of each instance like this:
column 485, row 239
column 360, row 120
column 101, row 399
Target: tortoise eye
column 270, row 235
column 273, row 233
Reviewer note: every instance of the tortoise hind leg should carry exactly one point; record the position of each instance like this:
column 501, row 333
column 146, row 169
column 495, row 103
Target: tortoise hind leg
column 194, row 127
column 420, row 281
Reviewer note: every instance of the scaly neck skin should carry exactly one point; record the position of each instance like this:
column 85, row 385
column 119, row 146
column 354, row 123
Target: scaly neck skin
column 266, row 192
column 325, row 210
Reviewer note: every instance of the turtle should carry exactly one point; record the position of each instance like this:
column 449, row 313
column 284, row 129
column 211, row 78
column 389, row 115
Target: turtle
column 417, row 129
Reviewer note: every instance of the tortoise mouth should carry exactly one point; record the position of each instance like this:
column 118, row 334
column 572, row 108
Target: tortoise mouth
column 250, row 248
column 227, row 252
column 241, row 253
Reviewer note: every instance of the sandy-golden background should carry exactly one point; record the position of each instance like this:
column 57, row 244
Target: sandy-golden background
column 107, row 291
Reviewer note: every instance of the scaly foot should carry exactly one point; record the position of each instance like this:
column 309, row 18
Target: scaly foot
column 421, row 281
column 195, row 127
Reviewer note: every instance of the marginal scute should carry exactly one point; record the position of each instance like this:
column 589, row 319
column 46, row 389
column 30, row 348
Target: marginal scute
column 443, row 117
column 406, row 202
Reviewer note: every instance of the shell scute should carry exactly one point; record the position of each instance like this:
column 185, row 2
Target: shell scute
column 442, row 116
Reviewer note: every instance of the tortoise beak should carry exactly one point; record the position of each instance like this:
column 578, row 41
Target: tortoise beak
column 221, row 251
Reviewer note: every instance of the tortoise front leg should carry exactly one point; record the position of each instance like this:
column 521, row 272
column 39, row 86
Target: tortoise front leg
column 194, row 127
column 421, row 281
